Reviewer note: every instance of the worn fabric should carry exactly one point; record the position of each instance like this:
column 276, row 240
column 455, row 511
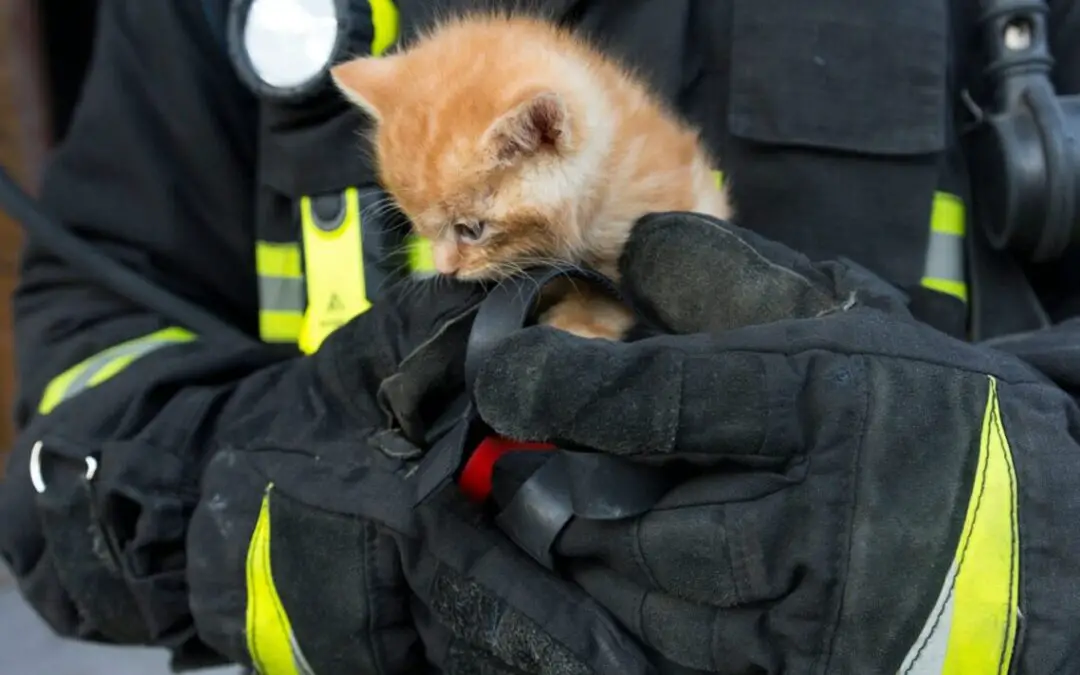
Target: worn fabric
column 823, row 460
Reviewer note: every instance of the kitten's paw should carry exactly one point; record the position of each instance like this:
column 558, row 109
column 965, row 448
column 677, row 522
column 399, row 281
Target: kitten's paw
column 590, row 320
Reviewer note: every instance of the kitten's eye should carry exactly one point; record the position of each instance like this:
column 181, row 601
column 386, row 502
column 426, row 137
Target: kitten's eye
column 470, row 232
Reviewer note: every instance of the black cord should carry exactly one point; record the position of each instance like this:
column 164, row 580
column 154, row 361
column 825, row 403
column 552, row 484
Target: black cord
column 111, row 274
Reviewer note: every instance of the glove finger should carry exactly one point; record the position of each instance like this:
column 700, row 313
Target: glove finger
column 690, row 274
column 428, row 376
column 688, row 397
column 690, row 635
column 725, row 567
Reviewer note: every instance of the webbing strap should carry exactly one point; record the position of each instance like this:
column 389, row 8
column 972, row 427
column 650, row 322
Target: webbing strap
column 283, row 291
column 945, row 269
column 107, row 364
column 282, row 294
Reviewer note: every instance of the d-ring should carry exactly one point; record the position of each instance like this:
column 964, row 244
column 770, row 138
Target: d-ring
column 38, row 480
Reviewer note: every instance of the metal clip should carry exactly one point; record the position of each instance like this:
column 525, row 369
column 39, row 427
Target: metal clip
column 36, row 476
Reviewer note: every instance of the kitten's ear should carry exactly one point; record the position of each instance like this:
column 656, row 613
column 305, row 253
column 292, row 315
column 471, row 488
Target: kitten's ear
column 541, row 123
column 368, row 82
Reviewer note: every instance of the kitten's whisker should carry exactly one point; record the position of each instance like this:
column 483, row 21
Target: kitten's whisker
column 383, row 207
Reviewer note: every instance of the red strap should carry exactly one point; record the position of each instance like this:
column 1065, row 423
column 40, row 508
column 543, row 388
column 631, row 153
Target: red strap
column 475, row 479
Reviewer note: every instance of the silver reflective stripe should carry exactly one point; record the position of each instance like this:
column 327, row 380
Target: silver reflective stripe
column 282, row 291
column 299, row 660
column 282, row 294
column 927, row 655
column 102, row 361
column 96, row 366
column 945, row 269
column 945, row 257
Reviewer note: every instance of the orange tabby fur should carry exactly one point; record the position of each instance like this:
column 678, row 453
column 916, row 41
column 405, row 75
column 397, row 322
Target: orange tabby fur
column 508, row 141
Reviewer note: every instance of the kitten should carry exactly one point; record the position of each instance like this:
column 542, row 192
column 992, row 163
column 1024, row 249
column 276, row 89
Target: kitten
column 508, row 141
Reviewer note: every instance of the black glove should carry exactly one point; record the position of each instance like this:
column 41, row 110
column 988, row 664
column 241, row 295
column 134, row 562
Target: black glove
column 845, row 495
column 307, row 556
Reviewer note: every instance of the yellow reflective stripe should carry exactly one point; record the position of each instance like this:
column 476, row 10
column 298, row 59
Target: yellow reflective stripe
column 972, row 628
column 334, row 260
column 384, row 20
column 945, row 270
column 957, row 289
column 107, row 364
column 421, row 255
column 270, row 639
column 281, row 290
column 280, row 326
column 719, row 176
column 948, row 214
column 278, row 259
column 988, row 577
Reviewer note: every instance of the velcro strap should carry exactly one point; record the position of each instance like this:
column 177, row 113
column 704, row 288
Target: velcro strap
column 475, row 480
column 587, row 485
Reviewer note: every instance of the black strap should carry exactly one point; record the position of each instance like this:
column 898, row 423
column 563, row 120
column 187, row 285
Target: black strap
column 571, row 485
column 509, row 307
column 539, row 510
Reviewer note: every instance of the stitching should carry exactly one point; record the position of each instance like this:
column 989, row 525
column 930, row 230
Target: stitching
column 853, row 484
column 253, row 641
column 832, row 346
column 959, row 566
column 279, row 610
column 1013, row 534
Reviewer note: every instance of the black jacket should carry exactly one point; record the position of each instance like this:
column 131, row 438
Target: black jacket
column 173, row 168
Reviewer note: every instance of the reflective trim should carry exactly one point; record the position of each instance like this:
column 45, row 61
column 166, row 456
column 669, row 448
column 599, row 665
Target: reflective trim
column 945, row 269
column 271, row 642
column 945, row 264
column 281, row 290
column 280, row 326
column 384, row 21
column 282, row 295
column 421, row 255
column 972, row 628
column 948, row 215
column 107, row 364
column 957, row 289
column 278, row 259
column 334, row 261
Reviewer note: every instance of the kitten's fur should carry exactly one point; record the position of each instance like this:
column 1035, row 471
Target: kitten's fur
column 508, row 141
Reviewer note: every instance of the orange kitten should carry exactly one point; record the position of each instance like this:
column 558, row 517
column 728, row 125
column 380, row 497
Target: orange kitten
column 508, row 141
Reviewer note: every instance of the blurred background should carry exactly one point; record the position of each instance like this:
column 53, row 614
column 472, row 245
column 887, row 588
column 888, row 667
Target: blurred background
column 45, row 46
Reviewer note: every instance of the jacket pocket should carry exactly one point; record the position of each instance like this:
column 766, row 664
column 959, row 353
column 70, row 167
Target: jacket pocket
column 867, row 77
column 113, row 520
